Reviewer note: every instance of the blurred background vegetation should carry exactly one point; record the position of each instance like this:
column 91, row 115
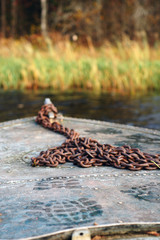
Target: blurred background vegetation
column 99, row 45
column 95, row 59
column 90, row 20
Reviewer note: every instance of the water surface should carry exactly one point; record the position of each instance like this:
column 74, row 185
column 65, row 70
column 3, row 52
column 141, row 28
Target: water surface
column 140, row 110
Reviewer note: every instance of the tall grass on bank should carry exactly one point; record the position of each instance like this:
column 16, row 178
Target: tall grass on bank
column 126, row 67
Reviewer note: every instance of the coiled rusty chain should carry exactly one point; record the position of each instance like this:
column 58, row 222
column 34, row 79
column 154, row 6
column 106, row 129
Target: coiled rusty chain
column 87, row 152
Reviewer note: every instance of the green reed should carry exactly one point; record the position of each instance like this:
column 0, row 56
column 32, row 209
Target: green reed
column 126, row 67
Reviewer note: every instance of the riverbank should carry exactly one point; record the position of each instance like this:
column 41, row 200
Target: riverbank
column 126, row 67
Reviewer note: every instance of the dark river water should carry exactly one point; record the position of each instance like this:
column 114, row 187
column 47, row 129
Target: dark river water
column 139, row 110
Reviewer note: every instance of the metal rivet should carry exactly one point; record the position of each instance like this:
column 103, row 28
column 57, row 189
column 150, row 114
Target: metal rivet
column 13, row 182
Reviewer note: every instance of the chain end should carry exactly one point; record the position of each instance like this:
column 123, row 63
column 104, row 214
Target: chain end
column 51, row 115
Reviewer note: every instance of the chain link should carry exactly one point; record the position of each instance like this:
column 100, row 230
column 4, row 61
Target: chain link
column 87, row 152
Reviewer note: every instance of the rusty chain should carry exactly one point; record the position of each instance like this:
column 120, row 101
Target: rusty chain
column 87, row 152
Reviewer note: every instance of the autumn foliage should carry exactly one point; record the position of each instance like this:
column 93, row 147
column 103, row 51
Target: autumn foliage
column 85, row 21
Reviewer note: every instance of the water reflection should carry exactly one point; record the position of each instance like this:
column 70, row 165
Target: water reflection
column 143, row 111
